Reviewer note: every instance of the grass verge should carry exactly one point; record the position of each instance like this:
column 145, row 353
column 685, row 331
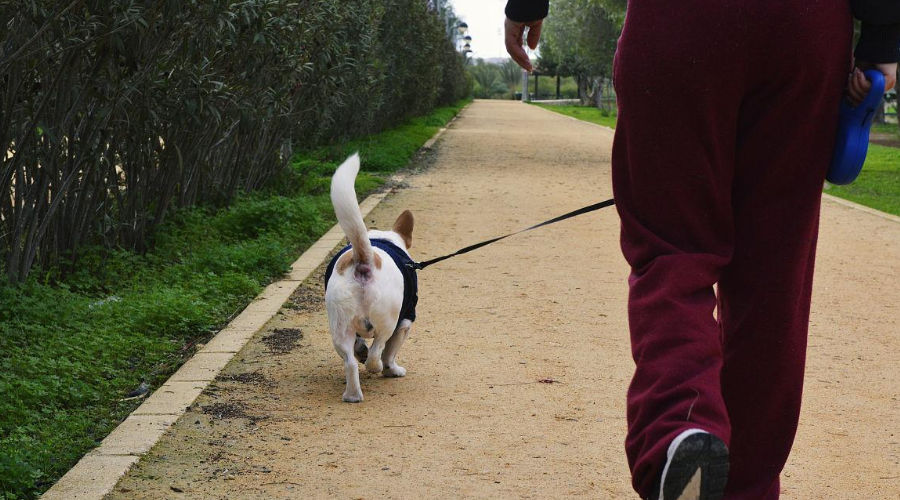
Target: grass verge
column 878, row 185
column 586, row 113
column 72, row 349
column 885, row 128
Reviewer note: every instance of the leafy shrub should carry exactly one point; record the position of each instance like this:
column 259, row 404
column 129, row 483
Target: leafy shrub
column 117, row 113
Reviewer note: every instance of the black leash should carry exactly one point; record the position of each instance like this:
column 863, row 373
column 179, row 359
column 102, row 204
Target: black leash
column 580, row 211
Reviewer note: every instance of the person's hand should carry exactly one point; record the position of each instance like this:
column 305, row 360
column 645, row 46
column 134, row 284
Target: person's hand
column 858, row 86
column 515, row 35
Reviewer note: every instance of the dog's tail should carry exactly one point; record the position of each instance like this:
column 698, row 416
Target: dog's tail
column 346, row 208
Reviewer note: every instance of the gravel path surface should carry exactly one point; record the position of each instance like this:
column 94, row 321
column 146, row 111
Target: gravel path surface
column 519, row 361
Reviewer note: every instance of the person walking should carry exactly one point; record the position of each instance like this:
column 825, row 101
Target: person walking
column 728, row 112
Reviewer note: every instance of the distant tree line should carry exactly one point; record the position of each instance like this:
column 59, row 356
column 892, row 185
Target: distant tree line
column 115, row 112
column 495, row 80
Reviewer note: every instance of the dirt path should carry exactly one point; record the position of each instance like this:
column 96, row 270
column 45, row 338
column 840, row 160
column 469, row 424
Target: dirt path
column 472, row 419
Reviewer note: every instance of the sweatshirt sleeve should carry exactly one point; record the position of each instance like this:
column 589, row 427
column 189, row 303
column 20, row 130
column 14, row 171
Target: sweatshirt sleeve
column 879, row 38
column 525, row 11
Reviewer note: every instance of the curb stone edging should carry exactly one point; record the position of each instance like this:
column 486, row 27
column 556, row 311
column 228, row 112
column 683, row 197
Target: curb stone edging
column 430, row 142
column 98, row 472
column 862, row 208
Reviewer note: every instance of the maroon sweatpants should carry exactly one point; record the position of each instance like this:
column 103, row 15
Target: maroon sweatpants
column 727, row 118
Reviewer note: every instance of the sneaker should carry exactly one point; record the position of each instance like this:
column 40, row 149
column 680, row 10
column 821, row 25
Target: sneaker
column 696, row 468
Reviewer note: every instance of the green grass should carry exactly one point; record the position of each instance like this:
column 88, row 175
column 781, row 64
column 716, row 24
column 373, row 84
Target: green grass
column 586, row 113
column 878, row 185
column 568, row 88
column 71, row 349
column 885, row 128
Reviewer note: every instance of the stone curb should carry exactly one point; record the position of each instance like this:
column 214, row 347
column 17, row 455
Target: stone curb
column 98, row 472
column 862, row 208
column 430, row 142
column 434, row 138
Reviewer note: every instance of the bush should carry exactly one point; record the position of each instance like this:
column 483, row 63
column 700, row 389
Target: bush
column 118, row 112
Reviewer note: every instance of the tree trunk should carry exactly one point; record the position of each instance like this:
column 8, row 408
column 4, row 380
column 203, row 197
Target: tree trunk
column 584, row 90
column 609, row 93
column 558, row 95
column 594, row 88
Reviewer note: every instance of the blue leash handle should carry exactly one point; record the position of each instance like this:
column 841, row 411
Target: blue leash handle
column 853, row 133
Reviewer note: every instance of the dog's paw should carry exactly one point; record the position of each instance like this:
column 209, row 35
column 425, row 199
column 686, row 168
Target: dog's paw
column 353, row 398
column 395, row 371
column 374, row 365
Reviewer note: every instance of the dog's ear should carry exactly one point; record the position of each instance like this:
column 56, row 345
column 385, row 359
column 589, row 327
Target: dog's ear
column 404, row 227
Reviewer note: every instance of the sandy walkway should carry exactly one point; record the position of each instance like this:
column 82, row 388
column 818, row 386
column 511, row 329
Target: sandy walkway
column 471, row 419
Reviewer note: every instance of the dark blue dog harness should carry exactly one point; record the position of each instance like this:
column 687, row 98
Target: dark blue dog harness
column 407, row 267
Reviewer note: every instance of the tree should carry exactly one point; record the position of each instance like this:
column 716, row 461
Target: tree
column 511, row 75
column 615, row 9
column 485, row 76
column 493, row 81
column 579, row 40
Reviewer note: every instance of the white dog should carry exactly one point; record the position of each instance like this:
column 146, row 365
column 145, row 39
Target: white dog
column 370, row 287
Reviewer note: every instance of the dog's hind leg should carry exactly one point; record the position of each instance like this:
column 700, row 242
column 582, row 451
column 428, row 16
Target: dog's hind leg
column 384, row 329
column 391, row 368
column 344, row 340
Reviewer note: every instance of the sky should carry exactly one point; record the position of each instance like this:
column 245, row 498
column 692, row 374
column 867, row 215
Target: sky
column 485, row 19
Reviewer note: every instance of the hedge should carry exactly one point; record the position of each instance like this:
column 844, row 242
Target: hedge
column 114, row 113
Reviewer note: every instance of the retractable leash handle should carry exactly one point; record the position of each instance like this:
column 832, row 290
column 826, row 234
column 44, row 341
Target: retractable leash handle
column 853, row 133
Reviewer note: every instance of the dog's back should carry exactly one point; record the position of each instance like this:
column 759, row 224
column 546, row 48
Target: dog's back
column 363, row 278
